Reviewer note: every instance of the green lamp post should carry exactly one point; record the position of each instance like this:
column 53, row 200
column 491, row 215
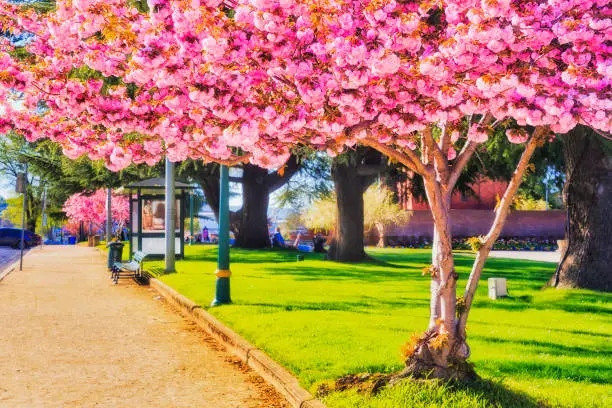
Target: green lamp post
column 223, row 273
column 190, row 217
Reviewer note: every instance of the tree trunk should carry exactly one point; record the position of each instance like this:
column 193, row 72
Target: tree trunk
column 440, row 352
column 209, row 182
column 253, row 231
column 82, row 235
column 31, row 225
column 250, row 224
column 380, row 228
column 588, row 198
column 347, row 241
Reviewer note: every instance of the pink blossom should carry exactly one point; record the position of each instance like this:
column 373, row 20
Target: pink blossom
column 387, row 65
column 517, row 135
column 477, row 134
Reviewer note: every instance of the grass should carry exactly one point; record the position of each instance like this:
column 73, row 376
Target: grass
column 323, row 320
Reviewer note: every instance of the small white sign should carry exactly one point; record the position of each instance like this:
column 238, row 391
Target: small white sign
column 497, row 288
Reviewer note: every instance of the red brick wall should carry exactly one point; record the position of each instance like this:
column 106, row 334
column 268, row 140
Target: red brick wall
column 469, row 223
column 484, row 197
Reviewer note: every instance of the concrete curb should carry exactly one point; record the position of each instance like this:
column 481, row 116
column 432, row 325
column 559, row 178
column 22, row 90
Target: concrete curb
column 270, row 370
column 12, row 267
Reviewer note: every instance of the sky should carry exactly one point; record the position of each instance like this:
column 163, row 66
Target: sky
column 7, row 189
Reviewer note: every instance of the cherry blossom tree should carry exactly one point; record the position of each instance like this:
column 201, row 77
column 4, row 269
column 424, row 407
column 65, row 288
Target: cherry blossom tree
column 91, row 210
column 424, row 83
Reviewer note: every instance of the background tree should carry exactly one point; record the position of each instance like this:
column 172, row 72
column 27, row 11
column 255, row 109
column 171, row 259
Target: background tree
column 382, row 211
column 49, row 169
column 257, row 185
column 321, row 215
column 91, row 210
column 13, row 156
column 312, row 182
column 352, row 172
column 250, row 222
column 586, row 261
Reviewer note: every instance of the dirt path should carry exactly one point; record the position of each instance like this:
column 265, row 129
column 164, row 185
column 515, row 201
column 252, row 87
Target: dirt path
column 70, row 338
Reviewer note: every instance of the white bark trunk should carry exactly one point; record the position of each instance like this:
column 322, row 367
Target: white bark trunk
column 444, row 280
column 501, row 214
column 435, row 301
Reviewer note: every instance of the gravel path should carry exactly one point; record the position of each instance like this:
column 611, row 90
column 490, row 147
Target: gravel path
column 70, row 338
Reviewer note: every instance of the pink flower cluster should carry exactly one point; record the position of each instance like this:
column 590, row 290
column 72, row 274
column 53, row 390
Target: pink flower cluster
column 188, row 79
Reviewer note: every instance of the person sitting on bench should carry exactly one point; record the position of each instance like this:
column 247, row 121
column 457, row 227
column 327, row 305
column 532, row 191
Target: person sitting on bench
column 319, row 244
column 277, row 239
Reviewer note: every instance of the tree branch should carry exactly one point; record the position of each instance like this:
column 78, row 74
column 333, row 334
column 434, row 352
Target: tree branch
column 226, row 162
column 406, row 157
column 275, row 180
column 445, row 141
column 440, row 161
column 462, row 159
column 352, row 130
column 501, row 214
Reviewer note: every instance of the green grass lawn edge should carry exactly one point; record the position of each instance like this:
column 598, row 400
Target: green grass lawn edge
column 323, row 320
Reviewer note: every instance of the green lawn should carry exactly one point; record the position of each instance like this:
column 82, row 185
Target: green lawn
column 323, row 320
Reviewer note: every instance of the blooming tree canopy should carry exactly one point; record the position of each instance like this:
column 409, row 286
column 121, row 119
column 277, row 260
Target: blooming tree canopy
column 191, row 79
column 425, row 83
column 92, row 209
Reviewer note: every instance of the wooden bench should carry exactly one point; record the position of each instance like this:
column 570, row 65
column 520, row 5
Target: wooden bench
column 132, row 269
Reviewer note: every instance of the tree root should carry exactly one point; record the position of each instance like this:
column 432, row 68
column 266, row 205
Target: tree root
column 430, row 357
column 370, row 384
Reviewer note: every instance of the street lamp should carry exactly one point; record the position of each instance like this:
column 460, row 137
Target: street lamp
column 22, row 187
column 170, row 216
column 223, row 273
column 191, row 218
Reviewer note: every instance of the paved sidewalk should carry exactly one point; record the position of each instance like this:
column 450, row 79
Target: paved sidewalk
column 70, row 338
column 543, row 256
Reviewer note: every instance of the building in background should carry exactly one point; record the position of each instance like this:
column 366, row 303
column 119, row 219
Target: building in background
column 472, row 215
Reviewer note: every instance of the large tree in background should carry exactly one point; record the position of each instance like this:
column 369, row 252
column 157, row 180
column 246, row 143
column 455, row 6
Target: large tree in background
column 257, row 185
column 250, row 222
column 14, row 152
column 586, row 261
column 353, row 172
column 379, row 212
column 424, row 84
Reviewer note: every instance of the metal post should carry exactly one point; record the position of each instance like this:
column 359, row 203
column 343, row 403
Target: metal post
column 190, row 218
column 23, row 217
column 109, row 216
column 223, row 273
column 44, row 217
column 170, row 217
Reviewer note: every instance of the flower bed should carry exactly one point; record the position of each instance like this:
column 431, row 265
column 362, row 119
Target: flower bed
column 503, row 244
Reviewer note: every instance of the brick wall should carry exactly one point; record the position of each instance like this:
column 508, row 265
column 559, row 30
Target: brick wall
column 468, row 223
column 485, row 195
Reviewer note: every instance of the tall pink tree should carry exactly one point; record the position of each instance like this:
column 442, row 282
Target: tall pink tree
column 91, row 209
column 424, row 83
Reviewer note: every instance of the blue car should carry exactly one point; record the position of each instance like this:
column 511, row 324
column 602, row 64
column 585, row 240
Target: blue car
column 12, row 237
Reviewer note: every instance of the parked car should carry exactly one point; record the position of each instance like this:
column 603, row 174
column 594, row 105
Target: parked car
column 12, row 237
